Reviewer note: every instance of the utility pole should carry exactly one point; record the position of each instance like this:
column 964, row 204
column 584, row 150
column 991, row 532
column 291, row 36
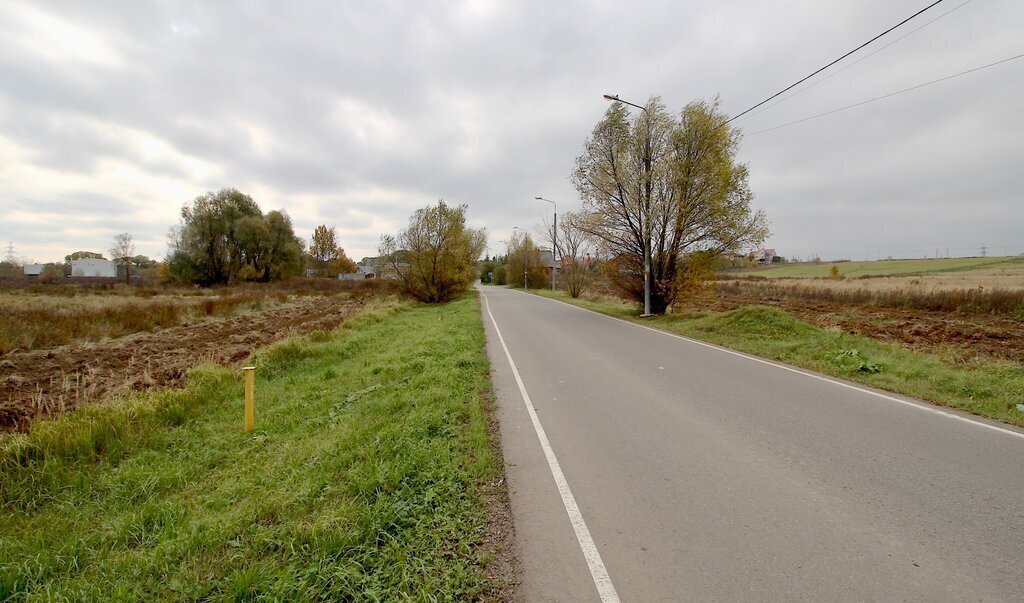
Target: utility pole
column 10, row 252
column 984, row 250
column 554, row 242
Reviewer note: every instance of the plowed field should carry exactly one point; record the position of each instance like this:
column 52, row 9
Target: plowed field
column 42, row 382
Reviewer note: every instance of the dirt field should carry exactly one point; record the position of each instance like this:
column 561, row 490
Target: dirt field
column 959, row 337
column 962, row 308
column 42, row 382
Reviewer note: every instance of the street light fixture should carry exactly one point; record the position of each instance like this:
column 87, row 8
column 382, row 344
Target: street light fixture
column 526, row 258
column 615, row 99
column 554, row 242
column 647, row 188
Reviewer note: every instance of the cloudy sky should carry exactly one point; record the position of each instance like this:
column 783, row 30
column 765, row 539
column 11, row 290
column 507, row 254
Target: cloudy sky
column 353, row 114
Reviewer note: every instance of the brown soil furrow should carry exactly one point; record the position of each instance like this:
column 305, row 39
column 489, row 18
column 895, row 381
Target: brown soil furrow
column 43, row 382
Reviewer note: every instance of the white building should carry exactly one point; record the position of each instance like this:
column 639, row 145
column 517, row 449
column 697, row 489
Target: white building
column 364, row 270
column 93, row 267
column 34, row 269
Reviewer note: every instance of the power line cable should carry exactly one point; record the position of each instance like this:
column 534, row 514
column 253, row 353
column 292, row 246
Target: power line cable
column 877, row 98
column 867, row 56
column 798, row 82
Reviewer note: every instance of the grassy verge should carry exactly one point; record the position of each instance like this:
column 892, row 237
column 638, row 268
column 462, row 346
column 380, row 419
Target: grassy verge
column 362, row 480
column 990, row 389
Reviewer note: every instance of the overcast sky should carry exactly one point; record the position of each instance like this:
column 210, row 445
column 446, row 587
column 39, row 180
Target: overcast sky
column 353, row 114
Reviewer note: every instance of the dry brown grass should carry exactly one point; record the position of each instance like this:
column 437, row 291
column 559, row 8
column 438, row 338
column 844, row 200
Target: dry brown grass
column 882, row 292
column 40, row 316
column 1011, row 279
column 46, row 381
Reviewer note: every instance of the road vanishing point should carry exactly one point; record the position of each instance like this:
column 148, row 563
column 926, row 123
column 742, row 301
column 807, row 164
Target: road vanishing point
column 643, row 466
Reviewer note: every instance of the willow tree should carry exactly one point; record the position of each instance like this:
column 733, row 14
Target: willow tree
column 435, row 257
column 225, row 237
column 660, row 187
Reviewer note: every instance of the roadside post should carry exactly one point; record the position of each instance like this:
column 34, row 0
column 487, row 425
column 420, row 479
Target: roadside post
column 250, row 402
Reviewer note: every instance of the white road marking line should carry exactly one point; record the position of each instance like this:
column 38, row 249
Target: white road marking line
column 598, row 572
column 916, row 405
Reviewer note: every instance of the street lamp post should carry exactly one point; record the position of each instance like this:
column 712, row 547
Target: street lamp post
column 526, row 258
column 647, row 209
column 554, row 242
column 506, row 254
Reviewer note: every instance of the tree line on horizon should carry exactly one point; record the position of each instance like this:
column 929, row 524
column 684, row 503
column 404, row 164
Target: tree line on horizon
column 664, row 197
column 222, row 238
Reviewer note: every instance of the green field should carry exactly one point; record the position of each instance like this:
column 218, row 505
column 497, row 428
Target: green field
column 883, row 267
column 364, row 479
column 989, row 389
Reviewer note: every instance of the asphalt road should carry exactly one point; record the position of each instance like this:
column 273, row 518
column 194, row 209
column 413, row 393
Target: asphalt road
column 703, row 475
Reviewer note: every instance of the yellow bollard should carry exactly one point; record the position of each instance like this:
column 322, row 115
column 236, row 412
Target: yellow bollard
column 250, row 402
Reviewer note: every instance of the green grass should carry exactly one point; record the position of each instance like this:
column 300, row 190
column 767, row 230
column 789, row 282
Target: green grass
column 990, row 389
column 362, row 480
column 883, row 267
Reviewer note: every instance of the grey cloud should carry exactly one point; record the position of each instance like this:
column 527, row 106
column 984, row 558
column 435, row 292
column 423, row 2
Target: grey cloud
column 492, row 110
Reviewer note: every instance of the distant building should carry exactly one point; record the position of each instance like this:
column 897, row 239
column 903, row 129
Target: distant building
column 565, row 263
column 364, row 269
column 92, row 267
column 34, row 269
column 763, row 256
column 547, row 261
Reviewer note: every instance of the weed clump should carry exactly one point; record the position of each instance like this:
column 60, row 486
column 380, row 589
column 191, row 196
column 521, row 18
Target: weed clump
column 851, row 361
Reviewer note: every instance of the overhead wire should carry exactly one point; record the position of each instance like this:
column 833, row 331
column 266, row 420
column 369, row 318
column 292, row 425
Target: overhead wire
column 804, row 79
column 867, row 56
column 891, row 94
